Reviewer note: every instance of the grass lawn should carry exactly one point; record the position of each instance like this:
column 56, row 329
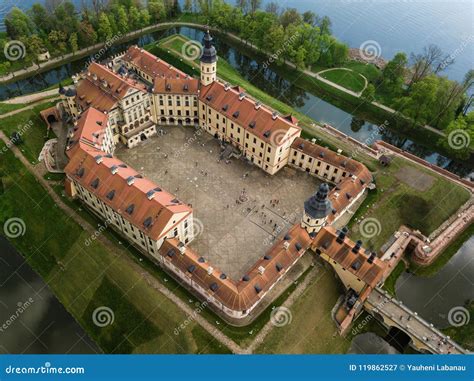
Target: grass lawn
column 390, row 282
column 87, row 276
column 7, row 107
column 399, row 201
column 312, row 329
column 369, row 71
column 33, row 129
column 345, row 78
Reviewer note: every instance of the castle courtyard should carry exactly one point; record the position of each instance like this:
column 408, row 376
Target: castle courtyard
column 238, row 208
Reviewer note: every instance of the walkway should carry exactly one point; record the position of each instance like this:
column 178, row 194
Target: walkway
column 30, row 98
column 342, row 88
column 39, row 171
column 409, row 322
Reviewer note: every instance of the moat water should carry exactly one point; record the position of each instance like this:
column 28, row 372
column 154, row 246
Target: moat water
column 40, row 324
column 266, row 79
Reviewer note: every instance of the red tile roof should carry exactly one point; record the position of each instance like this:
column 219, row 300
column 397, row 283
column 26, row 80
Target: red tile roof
column 101, row 88
column 273, row 130
column 242, row 294
column 350, row 186
column 173, row 85
column 88, row 164
column 369, row 273
column 150, row 64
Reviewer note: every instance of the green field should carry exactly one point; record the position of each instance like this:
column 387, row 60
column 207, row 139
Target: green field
column 7, row 107
column 87, row 276
column 399, row 201
column 312, row 329
column 32, row 128
column 345, row 78
column 464, row 335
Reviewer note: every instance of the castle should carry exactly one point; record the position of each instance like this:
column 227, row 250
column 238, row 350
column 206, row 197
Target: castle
column 124, row 102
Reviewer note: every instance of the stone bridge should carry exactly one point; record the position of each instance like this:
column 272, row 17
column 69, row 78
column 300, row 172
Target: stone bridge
column 425, row 337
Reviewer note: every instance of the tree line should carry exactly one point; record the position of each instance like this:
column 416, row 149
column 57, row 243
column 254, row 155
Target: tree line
column 414, row 85
column 60, row 28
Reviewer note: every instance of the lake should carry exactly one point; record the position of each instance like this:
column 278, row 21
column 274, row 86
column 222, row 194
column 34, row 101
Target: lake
column 41, row 324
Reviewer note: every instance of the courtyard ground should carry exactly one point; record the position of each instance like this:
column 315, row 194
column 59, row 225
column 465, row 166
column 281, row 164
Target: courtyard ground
column 235, row 222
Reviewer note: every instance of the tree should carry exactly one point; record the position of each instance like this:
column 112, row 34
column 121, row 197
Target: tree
column 35, row 44
column 121, row 19
column 73, row 42
column 105, row 31
column 290, row 16
column 325, row 25
column 157, row 10
column 459, row 138
column 145, row 17
column 134, row 18
column 254, row 5
column 86, row 34
column 243, row 5
column 40, row 18
column 18, row 24
column 419, row 105
column 58, row 38
column 393, row 73
column 310, row 18
column 431, row 61
column 369, row 93
column 273, row 8
column 188, row 6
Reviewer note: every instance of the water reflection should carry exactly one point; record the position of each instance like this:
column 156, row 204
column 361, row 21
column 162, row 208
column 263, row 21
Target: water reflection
column 370, row 343
column 270, row 80
column 435, row 296
column 32, row 320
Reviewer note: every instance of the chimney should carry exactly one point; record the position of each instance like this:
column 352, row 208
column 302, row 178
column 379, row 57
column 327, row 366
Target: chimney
column 210, row 270
column 357, row 246
column 342, row 235
column 226, row 87
column 241, row 96
column 274, row 115
column 261, row 270
column 371, row 258
column 286, row 245
column 258, row 105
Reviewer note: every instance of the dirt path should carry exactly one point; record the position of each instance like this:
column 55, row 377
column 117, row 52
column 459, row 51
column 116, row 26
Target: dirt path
column 287, row 304
column 34, row 97
column 39, row 171
column 342, row 88
column 28, row 107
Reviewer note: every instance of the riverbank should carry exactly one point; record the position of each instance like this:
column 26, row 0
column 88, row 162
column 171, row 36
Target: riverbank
column 308, row 80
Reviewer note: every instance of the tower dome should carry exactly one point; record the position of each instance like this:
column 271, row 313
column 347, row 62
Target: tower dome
column 209, row 54
column 318, row 206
